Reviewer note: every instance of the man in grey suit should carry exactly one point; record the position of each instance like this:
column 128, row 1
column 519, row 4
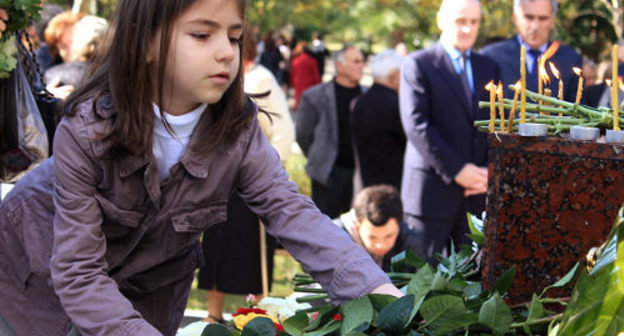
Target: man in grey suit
column 323, row 132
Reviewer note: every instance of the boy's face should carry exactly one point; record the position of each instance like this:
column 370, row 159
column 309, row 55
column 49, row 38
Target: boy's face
column 379, row 240
column 204, row 56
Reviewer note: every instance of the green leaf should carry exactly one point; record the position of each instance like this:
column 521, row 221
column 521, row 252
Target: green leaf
column 420, row 286
column 326, row 329
column 215, row 329
column 440, row 283
column 357, row 315
column 441, row 308
column 567, row 279
column 260, row 326
column 496, row 315
column 447, row 325
column 295, row 325
column 379, row 301
column 479, row 239
column 536, row 309
column 503, row 283
column 396, row 316
column 475, row 234
column 406, row 260
column 325, row 314
column 473, row 290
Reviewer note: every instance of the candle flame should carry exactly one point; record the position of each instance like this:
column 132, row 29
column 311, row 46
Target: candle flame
column 620, row 84
column 551, row 51
column 608, row 82
column 490, row 86
column 554, row 70
column 543, row 74
column 517, row 86
column 499, row 88
column 577, row 71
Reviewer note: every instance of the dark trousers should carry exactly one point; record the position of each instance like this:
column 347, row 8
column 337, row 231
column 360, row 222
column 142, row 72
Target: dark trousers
column 439, row 232
column 335, row 199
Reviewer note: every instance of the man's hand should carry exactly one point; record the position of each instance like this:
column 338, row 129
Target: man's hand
column 4, row 17
column 473, row 179
column 388, row 289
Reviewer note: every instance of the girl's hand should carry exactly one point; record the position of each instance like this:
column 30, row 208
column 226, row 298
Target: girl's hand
column 3, row 18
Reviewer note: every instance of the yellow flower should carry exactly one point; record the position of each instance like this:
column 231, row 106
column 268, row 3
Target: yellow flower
column 241, row 320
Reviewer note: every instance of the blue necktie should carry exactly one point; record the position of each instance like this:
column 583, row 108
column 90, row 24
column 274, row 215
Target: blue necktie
column 464, row 77
column 533, row 74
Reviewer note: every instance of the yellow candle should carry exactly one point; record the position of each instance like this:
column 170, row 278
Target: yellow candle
column 560, row 94
column 579, row 89
column 501, row 105
column 615, row 88
column 540, row 83
column 523, row 85
column 512, row 113
column 492, row 89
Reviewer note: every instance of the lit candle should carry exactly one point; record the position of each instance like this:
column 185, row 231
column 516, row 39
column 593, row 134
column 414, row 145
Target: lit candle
column 540, row 83
column 547, row 93
column 555, row 72
column 501, row 105
column 579, row 89
column 512, row 113
column 523, row 85
column 544, row 79
column 615, row 88
column 492, row 88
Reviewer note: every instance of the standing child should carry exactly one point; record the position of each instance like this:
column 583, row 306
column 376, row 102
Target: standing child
column 103, row 238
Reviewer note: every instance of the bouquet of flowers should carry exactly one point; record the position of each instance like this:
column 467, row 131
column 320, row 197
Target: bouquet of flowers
column 21, row 13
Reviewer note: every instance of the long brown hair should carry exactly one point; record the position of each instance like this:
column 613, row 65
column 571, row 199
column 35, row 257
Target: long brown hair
column 122, row 72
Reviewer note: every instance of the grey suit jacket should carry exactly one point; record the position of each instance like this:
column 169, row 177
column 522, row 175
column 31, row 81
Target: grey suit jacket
column 317, row 130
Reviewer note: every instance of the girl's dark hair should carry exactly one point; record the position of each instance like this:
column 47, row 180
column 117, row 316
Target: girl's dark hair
column 121, row 71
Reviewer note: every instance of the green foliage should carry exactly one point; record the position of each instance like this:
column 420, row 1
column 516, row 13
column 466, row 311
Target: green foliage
column 260, row 326
column 597, row 303
column 20, row 12
column 216, row 330
column 357, row 315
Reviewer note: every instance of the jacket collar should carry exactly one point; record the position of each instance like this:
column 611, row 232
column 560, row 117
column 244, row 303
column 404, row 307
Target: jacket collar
column 194, row 163
column 444, row 66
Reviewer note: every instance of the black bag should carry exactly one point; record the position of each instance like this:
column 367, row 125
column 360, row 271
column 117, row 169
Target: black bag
column 49, row 106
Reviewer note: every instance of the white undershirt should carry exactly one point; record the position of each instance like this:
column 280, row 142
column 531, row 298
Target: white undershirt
column 168, row 149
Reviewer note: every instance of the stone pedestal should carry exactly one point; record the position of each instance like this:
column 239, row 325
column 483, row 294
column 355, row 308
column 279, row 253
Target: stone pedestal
column 549, row 201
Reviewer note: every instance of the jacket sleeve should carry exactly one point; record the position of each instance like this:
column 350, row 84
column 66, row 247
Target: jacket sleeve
column 416, row 115
column 307, row 119
column 343, row 268
column 89, row 296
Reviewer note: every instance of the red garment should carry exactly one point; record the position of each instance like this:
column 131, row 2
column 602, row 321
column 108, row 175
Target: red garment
column 303, row 74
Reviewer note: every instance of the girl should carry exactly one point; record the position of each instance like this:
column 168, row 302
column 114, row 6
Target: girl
column 104, row 236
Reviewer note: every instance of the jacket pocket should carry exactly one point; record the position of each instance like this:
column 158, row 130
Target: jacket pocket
column 196, row 219
column 118, row 222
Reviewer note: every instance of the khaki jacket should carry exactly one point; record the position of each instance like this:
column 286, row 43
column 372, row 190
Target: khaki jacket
column 103, row 245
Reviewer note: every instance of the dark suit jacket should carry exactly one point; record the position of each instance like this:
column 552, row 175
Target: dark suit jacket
column 378, row 137
column 507, row 54
column 438, row 120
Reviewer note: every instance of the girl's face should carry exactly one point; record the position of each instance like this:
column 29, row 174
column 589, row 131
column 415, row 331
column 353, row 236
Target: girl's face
column 204, row 56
